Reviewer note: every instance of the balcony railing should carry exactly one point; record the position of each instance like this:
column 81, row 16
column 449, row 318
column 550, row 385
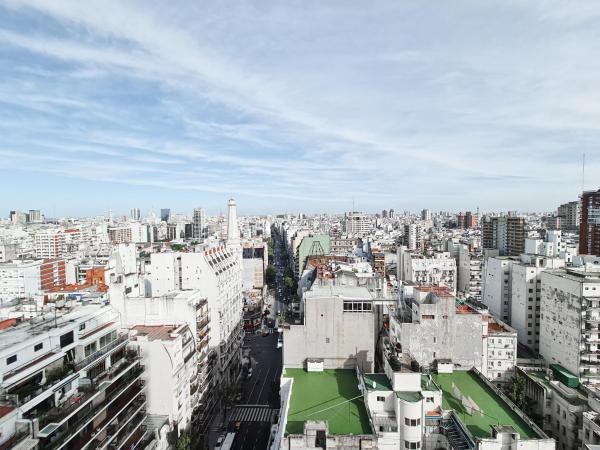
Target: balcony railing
column 94, row 356
column 58, row 415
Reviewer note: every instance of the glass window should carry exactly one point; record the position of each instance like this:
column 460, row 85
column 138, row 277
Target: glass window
column 11, row 359
column 38, row 347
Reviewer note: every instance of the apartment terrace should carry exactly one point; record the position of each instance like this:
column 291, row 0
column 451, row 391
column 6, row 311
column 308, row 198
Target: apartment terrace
column 331, row 395
column 478, row 407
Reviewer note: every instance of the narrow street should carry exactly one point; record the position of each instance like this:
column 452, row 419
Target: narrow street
column 256, row 412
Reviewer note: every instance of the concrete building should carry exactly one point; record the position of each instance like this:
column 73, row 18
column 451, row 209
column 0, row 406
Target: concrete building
column 343, row 246
column 120, row 234
column 431, row 325
column 524, row 298
column 504, row 233
column 438, row 270
column 357, row 223
column 332, row 314
column 570, row 313
column 68, row 380
column 34, row 216
column 199, row 226
column 560, row 407
column 171, row 362
column 470, row 269
column 496, row 288
column 49, row 244
column 8, row 252
column 466, row 220
column 569, row 214
column 589, row 229
column 165, row 214
column 135, row 214
column 27, row 278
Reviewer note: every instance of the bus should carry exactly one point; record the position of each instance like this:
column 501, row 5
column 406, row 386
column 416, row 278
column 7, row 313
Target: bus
column 227, row 442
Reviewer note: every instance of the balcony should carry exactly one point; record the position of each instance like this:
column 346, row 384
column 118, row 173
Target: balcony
column 78, row 410
column 128, row 435
column 126, row 406
column 94, row 356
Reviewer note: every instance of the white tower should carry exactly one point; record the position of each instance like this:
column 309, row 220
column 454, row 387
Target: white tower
column 233, row 233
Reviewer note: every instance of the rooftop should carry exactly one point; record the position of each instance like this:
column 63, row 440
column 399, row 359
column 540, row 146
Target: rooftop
column 377, row 382
column 156, row 332
column 330, row 395
column 492, row 409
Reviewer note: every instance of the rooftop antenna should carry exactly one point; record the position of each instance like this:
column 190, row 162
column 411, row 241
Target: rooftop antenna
column 583, row 174
column 353, row 209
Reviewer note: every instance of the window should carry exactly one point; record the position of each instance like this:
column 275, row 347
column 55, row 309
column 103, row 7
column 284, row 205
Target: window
column 356, row 306
column 428, row 399
column 11, row 359
column 380, row 398
column 89, row 349
column 412, row 445
column 327, row 340
column 38, row 347
column 81, row 326
column 427, row 316
column 412, row 422
column 66, row 339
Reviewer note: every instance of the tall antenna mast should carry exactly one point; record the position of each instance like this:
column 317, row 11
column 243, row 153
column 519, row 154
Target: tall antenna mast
column 583, row 174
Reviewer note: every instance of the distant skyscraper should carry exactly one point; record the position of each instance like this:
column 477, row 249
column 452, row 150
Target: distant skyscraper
column 569, row 216
column 233, row 232
column 35, row 216
column 392, row 214
column 467, row 220
column 199, row 223
column 165, row 214
column 135, row 213
column 589, row 227
column 425, row 214
column 505, row 233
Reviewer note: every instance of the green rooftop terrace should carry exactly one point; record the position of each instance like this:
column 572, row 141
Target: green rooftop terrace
column 492, row 409
column 330, row 395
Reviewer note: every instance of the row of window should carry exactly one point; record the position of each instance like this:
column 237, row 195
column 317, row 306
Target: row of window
column 65, row 340
column 412, row 422
column 412, row 445
column 356, row 306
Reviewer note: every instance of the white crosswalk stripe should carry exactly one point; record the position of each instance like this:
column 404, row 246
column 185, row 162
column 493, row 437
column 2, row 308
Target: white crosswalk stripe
column 251, row 414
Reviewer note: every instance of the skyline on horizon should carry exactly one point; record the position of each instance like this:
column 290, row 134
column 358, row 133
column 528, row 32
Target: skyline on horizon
column 414, row 105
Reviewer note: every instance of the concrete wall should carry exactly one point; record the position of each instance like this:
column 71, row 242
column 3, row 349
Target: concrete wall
column 332, row 334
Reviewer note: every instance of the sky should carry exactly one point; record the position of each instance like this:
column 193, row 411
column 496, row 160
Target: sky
column 298, row 105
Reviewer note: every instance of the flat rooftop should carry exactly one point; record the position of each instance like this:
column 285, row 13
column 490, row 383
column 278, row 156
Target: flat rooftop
column 330, row 395
column 492, row 409
column 344, row 291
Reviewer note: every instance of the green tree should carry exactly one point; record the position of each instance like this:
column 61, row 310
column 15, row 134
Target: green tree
column 184, row 441
column 518, row 393
column 271, row 274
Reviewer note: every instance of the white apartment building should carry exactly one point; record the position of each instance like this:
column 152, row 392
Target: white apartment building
column 357, row 223
column 525, row 305
column 20, row 279
column 199, row 226
column 570, row 314
column 49, row 244
column 68, row 380
column 437, row 270
column 470, row 269
column 8, row 252
column 216, row 273
column 171, row 361
column 496, row 288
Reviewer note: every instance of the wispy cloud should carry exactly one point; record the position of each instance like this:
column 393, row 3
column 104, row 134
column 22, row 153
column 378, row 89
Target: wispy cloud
column 307, row 105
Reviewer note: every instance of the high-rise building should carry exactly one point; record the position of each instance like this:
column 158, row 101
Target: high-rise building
column 35, row 216
column 199, row 223
column 425, row 214
column 569, row 215
column 392, row 214
column 589, row 229
column 467, row 220
column 49, row 244
column 135, row 213
column 165, row 214
column 504, row 233
column 356, row 223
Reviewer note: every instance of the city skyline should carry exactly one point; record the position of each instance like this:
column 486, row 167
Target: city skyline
column 113, row 105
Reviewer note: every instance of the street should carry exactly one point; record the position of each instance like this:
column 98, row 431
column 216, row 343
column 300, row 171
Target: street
column 257, row 411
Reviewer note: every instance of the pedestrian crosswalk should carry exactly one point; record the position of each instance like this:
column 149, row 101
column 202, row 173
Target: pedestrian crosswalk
column 252, row 414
